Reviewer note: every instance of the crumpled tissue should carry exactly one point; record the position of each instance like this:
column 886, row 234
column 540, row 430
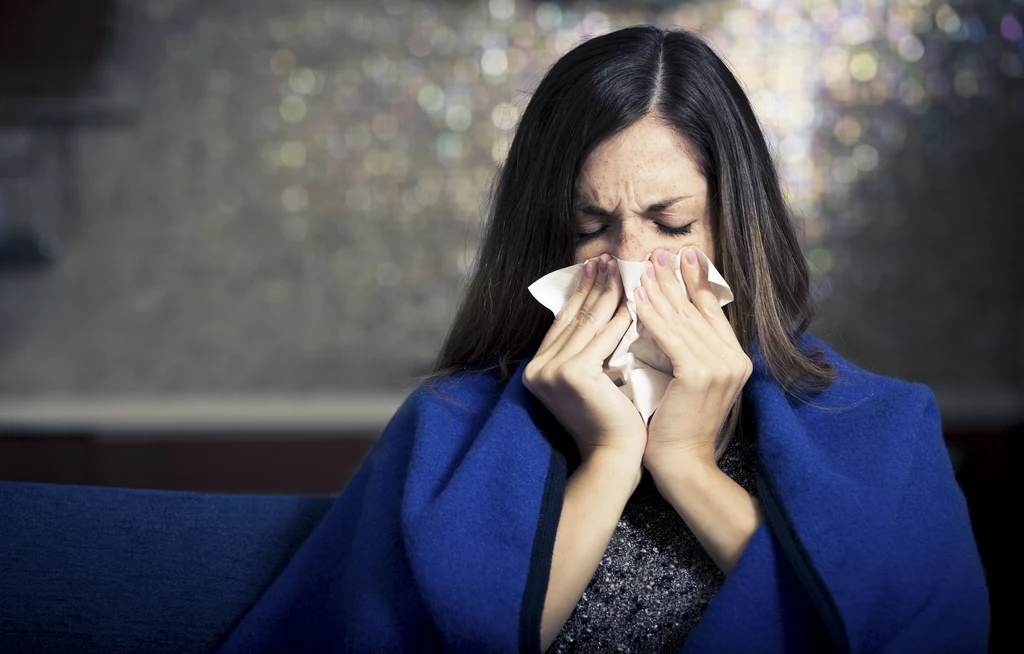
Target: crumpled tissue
column 638, row 366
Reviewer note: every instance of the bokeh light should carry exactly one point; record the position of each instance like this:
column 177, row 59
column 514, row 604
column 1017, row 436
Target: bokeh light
column 336, row 157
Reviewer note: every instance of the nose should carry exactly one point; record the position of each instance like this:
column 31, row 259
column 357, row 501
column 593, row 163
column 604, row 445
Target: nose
column 632, row 242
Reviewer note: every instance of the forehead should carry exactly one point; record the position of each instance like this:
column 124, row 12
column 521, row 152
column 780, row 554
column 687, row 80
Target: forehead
column 647, row 158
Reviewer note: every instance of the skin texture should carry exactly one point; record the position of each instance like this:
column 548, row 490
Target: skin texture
column 709, row 371
column 645, row 164
column 620, row 186
column 566, row 374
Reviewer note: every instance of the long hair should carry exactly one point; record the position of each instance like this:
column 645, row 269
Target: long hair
column 594, row 91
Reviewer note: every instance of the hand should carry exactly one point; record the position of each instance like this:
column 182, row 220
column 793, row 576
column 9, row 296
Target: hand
column 709, row 367
column 567, row 372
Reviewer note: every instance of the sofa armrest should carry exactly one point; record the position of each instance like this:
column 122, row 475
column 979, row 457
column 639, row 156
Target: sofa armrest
column 92, row 569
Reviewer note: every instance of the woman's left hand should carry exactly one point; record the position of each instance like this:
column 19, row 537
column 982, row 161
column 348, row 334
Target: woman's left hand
column 709, row 367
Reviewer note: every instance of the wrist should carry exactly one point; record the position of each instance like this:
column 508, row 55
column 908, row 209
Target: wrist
column 612, row 472
column 673, row 459
column 680, row 465
column 613, row 460
column 613, row 464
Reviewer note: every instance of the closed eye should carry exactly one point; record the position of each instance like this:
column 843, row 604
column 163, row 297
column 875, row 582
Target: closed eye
column 664, row 229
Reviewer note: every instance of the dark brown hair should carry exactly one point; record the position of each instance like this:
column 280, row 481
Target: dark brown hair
column 594, row 91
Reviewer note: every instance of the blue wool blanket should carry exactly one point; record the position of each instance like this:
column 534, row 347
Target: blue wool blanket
column 443, row 539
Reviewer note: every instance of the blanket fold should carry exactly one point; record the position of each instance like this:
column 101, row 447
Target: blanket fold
column 443, row 540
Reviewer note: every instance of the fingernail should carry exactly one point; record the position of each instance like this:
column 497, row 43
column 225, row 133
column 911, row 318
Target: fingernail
column 650, row 269
column 602, row 265
column 642, row 293
column 588, row 270
column 662, row 258
column 611, row 268
column 691, row 256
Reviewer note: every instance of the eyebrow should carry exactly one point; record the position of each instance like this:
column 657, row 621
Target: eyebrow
column 594, row 210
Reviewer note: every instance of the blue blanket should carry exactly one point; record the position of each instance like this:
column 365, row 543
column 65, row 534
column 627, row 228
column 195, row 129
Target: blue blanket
column 443, row 539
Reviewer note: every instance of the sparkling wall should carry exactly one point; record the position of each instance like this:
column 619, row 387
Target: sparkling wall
column 300, row 195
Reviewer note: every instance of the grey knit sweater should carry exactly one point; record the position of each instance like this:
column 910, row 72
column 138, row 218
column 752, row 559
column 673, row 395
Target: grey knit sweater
column 655, row 579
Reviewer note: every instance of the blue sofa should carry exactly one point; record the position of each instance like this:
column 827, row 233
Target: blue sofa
column 91, row 569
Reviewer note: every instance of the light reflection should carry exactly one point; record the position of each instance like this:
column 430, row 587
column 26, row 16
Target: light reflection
column 282, row 62
column 293, row 109
column 863, row 66
column 431, row 98
column 294, row 198
column 1010, row 28
column 458, row 118
column 910, row 48
column 293, row 154
column 947, row 20
column 848, row 130
column 494, row 61
column 385, row 126
column 865, row 157
column 502, row 9
column 404, row 109
column 303, row 81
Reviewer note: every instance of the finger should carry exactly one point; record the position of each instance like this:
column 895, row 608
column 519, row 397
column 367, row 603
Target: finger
column 597, row 309
column 695, row 277
column 608, row 336
column 655, row 292
column 682, row 313
column 700, row 334
column 691, row 346
column 692, row 342
column 669, row 279
column 601, row 306
column 564, row 317
column 667, row 335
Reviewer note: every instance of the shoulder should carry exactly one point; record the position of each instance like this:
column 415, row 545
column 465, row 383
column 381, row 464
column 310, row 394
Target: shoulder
column 458, row 395
column 857, row 391
column 442, row 413
column 867, row 485
column 862, row 418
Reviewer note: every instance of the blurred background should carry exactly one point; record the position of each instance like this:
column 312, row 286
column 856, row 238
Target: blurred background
column 232, row 232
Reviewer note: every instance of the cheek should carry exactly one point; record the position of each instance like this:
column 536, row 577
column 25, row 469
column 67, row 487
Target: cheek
column 708, row 248
column 589, row 250
column 584, row 253
column 703, row 240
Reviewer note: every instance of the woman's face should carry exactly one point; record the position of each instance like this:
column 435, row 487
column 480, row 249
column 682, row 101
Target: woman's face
column 640, row 191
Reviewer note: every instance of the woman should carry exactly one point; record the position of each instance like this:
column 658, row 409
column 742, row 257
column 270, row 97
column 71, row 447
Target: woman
column 791, row 500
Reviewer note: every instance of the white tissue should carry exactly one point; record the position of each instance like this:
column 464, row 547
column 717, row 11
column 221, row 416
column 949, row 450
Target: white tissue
column 638, row 366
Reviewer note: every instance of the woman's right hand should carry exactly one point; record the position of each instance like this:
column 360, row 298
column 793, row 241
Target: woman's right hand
column 567, row 372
